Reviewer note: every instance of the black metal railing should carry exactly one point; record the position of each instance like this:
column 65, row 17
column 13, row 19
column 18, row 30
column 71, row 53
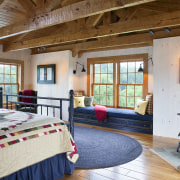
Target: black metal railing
column 9, row 102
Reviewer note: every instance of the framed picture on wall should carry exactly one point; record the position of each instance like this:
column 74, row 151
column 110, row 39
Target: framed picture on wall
column 46, row 74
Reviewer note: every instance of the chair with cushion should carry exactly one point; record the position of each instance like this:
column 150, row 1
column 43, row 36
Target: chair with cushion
column 25, row 107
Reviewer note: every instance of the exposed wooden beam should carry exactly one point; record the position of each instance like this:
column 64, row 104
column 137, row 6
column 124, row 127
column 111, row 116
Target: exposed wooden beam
column 53, row 49
column 153, row 22
column 130, row 3
column 68, row 13
column 102, row 43
column 80, row 53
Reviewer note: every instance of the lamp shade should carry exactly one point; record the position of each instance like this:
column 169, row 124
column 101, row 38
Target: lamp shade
column 140, row 68
column 83, row 69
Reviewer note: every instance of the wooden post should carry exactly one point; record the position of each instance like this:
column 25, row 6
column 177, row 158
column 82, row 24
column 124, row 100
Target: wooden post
column 71, row 112
column 1, row 97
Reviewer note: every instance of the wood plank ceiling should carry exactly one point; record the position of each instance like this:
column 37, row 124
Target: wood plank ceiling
column 85, row 25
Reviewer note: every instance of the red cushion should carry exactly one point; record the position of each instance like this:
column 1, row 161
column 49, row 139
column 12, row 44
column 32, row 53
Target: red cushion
column 27, row 92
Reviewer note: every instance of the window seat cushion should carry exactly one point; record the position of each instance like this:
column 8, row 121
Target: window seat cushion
column 116, row 112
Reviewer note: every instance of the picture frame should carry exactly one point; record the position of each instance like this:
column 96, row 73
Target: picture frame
column 46, row 74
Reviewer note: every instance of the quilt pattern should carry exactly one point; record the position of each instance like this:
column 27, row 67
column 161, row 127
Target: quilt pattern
column 10, row 121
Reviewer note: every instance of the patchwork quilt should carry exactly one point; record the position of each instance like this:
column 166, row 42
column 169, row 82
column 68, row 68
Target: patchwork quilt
column 27, row 138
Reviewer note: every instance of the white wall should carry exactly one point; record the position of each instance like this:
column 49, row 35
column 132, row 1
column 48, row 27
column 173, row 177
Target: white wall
column 166, row 55
column 80, row 78
column 64, row 71
column 20, row 55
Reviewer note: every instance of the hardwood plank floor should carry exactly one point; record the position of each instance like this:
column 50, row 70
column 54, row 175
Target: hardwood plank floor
column 148, row 166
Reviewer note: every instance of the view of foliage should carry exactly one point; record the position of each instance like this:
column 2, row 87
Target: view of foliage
column 130, row 87
column 8, row 79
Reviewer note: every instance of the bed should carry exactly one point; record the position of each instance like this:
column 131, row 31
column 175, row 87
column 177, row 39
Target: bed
column 36, row 147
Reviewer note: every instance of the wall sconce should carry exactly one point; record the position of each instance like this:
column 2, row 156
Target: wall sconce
column 141, row 68
column 83, row 69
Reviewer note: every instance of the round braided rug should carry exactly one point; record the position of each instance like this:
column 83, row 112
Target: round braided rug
column 100, row 149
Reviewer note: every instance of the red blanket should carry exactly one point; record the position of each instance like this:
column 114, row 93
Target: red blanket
column 27, row 92
column 101, row 113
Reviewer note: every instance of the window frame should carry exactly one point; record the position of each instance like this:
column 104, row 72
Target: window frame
column 20, row 71
column 106, row 84
column 116, row 70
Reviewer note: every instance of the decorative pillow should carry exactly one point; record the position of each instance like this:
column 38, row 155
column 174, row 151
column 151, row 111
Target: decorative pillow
column 149, row 109
column 88, row 100
column 141, row 106
column 78, row 102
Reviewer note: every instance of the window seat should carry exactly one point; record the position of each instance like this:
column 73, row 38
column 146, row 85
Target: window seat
column 123, row 119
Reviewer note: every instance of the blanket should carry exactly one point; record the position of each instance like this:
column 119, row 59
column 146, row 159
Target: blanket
column 101, row 113
column 26, row 139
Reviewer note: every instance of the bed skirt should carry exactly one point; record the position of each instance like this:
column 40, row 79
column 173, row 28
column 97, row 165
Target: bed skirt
column 50, row 169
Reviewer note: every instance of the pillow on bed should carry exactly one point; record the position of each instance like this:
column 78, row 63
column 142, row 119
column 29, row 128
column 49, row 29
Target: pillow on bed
column 79, row 102
column 141, row 106
column 88, row 100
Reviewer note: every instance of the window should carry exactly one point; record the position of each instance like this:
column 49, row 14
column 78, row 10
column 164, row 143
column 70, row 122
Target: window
column 11, row 78
column 103, row 84
column 115, row 81
column 130, row 86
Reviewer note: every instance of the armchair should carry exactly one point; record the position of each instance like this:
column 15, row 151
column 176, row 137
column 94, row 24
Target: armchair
column 24, row 107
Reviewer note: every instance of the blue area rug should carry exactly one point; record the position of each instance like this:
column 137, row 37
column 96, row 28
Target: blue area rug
column 100, row 149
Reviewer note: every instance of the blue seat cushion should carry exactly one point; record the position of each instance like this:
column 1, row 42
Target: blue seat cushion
column 116, row 112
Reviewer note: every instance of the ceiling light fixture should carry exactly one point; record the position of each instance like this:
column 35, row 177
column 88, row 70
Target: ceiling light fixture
column 38, row 49
column 167, row 30
column 151, row 32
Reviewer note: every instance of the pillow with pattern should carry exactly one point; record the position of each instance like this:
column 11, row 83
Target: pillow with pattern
column 149, row 109
column 141, row 106
column 79, row 102
column 88, row 100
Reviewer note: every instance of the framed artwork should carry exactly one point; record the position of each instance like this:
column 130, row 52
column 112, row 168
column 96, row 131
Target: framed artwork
column 46, row 74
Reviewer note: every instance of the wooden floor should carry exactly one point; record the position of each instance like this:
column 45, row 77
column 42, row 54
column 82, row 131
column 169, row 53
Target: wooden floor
column 148, row 166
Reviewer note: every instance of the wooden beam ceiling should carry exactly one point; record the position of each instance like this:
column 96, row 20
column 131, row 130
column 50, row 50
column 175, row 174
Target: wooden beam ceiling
column 135, row 25
column 68, row 13
column 128, row 41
